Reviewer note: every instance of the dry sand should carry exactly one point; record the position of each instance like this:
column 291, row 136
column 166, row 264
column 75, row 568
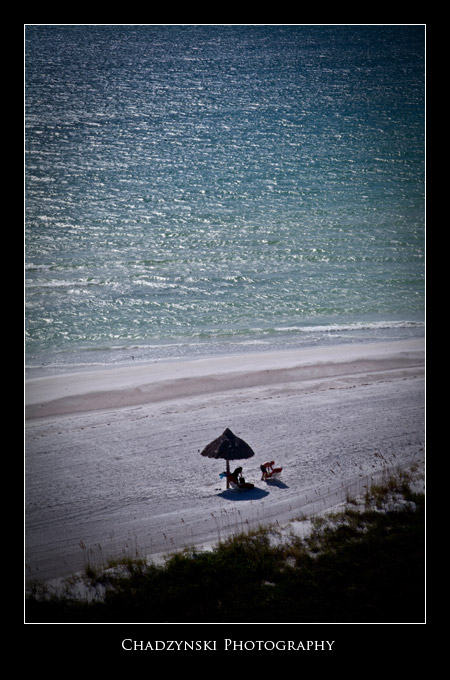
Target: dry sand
column 113, row 463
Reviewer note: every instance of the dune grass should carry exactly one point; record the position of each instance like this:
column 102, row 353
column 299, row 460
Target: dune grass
column 365, row 564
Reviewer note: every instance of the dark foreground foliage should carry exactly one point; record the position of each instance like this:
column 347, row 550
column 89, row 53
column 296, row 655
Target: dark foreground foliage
column 359, row 566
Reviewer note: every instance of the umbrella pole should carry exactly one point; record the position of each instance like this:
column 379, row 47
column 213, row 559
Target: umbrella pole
column 228, row 472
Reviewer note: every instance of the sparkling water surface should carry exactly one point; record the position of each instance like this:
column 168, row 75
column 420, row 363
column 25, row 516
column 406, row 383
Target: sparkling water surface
column 201, row 190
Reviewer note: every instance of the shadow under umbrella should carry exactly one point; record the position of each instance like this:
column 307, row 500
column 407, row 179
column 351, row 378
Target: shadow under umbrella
column 250, row 495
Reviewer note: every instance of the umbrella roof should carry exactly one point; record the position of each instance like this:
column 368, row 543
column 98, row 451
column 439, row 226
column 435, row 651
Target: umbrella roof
column 229, row 447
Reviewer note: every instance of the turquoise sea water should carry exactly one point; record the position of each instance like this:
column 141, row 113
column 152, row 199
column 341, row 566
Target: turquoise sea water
column 199, row 190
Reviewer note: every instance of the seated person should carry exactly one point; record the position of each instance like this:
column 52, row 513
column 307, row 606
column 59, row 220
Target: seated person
column 236, row 476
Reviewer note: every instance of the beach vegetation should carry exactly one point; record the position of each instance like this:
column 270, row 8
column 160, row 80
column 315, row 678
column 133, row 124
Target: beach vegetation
column 364, row 564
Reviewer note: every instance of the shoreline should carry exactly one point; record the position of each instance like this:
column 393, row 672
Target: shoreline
column 110, row 388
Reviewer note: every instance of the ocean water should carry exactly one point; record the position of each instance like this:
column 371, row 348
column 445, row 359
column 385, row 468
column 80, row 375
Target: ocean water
column 205, row 190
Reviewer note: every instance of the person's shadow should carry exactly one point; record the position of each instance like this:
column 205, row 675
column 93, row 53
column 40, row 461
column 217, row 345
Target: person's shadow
column 278, row 483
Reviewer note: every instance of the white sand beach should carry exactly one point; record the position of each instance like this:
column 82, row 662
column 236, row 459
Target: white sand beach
column 113, row 460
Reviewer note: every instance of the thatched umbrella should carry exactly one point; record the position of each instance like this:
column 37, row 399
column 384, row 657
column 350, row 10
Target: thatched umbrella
column 229, row 447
